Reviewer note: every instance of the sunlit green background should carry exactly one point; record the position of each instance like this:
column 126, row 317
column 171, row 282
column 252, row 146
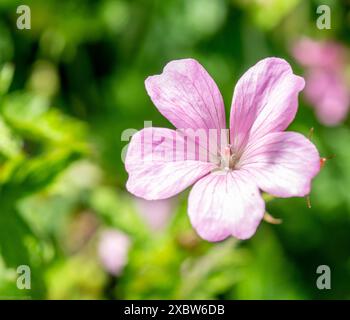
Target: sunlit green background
column 73, row 83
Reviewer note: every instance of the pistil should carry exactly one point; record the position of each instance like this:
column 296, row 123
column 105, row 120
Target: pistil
column 228, row 159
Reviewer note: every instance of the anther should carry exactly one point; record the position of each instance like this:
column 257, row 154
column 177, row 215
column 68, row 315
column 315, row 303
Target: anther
column 323, row 160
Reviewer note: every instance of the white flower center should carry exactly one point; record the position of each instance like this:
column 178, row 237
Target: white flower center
column 228, row 159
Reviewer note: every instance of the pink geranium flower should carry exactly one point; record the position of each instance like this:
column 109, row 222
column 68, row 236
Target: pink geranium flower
column 228, row 171
column 326, row 86
column 113, row 250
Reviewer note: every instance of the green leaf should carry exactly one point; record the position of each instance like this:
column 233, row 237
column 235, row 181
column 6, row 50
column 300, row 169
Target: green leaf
column 31, row 175
column 118, row 211
column 268, row 14
column 31, row 116
column 15, row 250
column 207, row 276
column 6, row 75
column 10, row 144
column 267, row 274
column 13, row 231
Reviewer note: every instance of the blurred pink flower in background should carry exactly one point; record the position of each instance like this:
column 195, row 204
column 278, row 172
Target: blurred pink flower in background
column 156, row 213
column 256, row 154
column 113, row 249
column 326, row 87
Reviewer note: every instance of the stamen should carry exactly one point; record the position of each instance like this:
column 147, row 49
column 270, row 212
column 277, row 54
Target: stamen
column 308, row 201
column 323, row 160
column 270, row 219
column 233, row 159
column 227, row 152
column 228, row 159
column 225, row 160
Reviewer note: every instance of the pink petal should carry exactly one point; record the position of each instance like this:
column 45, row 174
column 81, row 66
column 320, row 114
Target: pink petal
column 327, row 91
column 224, row 204
column 265, row 100
column 282, row 164
column 113, row 250
column 187, row 96
column 156, row 213
column 324, row 54
column 160, row 165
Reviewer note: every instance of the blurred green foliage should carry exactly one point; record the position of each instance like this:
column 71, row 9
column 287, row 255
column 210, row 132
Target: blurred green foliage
column 72, row 84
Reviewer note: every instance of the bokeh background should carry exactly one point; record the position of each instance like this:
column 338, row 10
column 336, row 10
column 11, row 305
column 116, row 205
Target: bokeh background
column 71, row 85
